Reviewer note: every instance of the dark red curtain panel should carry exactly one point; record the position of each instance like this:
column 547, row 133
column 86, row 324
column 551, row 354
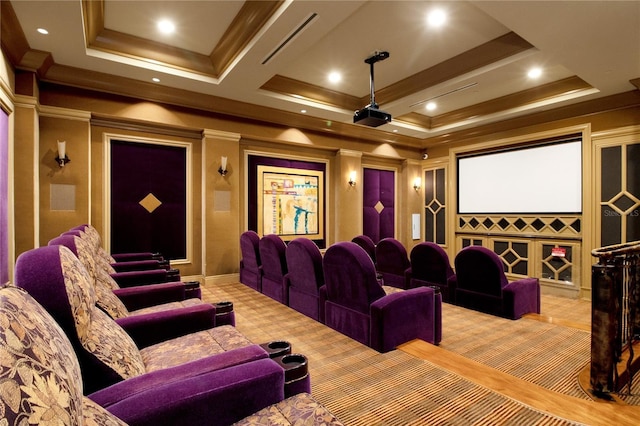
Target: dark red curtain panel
column 148, row 198
column 378, row 215
column 4, row 197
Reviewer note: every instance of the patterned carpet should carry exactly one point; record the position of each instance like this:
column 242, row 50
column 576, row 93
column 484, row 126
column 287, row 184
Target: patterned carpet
column 363, row 387
column 541, row 353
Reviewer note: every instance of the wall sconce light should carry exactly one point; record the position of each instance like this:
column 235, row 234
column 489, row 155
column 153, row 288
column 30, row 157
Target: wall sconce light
column 62, row 158
column 417, row 183
column 223, row 166
column 352, row 178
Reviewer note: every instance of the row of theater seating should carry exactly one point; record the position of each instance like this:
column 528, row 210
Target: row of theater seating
column 340, row 289
column 88, row 360
column 478, row 283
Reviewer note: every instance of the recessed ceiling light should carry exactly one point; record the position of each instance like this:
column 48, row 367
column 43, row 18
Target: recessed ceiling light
column 334, row 77
column 43, row 31
column 395, row 130
column 304, row 111
column 430, row 106
column 155, row 80
column 534, row 72
column 165, row 26
column 436, row 18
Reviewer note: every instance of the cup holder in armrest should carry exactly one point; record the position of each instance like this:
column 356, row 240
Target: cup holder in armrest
column 295, row 367
column 277, row 348
column 191, row 285
column 223, row 307
column 173, row 274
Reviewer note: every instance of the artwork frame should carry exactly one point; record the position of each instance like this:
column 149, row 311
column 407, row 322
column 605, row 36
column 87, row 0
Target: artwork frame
column 290, row 202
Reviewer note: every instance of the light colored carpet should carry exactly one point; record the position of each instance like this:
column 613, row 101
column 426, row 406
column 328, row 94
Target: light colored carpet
column 363, row 387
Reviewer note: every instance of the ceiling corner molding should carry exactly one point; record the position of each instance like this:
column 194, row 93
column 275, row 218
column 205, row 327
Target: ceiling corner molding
column 251, row 18
column 14, row 42
column 125, row 48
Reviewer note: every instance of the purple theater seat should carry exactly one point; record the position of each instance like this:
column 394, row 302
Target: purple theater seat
column 110, row 351
column 305, row 277
column 430, row 267
column 367, row 244
column 392, row 262
column 222, row 389
column 250, row 264
column 124, row 302
column 274, row 267
column 129, row 275
column 483, row 286
column 123, row 262
column 358, row 307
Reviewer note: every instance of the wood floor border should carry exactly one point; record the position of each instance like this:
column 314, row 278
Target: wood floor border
column 580, row 410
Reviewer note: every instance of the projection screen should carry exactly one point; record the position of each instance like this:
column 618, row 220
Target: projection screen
column 539, row 179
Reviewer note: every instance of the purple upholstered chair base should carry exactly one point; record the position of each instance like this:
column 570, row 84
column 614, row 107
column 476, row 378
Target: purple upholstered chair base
column 358, row 307
column 483, row 286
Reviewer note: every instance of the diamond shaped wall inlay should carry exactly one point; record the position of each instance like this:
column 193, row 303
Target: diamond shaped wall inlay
column 150, row 202
column 379, row 207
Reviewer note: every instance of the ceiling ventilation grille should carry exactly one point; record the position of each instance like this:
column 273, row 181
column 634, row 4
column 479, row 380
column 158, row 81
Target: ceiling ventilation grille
column 290, row 37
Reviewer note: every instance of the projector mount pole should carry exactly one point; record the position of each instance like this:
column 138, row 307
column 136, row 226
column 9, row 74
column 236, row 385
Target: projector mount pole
column 378, row 56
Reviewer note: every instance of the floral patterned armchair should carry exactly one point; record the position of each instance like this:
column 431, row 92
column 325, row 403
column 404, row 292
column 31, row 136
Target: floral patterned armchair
column 140, row 300
column 129, row 273
column 124, row 261
column 48, row 384
column 110, row 351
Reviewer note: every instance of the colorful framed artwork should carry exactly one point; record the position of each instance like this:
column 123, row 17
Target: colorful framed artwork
column 290, row 202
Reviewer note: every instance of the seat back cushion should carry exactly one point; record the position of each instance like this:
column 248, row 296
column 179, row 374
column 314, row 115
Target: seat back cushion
column 480, row 270
column 59, row 282
column 304, row 265
column 350, row 277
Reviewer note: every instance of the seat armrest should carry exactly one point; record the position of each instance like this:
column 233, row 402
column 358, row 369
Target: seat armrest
column 403, row 316
column 114, row 394
column 156, row 327
column 127, row 257
column 521, row 297
column 136, row 265
column 139, row 297
column 152, row 276
column 222, row 397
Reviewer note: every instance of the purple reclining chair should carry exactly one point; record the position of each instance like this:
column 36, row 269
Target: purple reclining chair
column 133, row 278
column 128, row 273
column 110, row 351
column 483, row 286
column 392, row 262
column 140, row 300
column 430, row 267
column 358, row 307
column 250, row 264
column 305, row 277
column 49, row 382
column 274, row 267
column 367, row 244
column 123, row 262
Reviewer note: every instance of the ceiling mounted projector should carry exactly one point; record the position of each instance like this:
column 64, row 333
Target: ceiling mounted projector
column 370, row 115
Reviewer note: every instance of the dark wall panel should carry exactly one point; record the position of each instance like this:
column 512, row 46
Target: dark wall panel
column 139, row 171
